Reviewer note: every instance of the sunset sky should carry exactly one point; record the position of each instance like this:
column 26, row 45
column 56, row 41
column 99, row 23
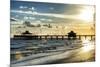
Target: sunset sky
column 62, row 17
column 37, row 12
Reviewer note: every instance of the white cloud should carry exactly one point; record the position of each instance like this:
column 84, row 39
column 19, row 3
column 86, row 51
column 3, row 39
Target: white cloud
column 50, row 20
column 32, row 8
column 47, row 14
column 25, row 17
column 51, row 8
column 32, row 18
column 38, row 22
column 23, row 7
column 43, row 19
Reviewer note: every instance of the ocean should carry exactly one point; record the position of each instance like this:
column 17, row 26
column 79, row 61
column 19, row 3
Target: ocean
column 61, row 51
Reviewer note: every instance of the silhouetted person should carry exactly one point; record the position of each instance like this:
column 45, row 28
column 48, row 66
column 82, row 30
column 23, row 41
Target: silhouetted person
column 71, row 35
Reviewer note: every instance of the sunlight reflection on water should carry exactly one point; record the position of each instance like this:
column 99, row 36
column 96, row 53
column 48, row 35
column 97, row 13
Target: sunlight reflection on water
column 87, row 45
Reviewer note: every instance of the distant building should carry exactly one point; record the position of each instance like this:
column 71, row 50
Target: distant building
column 26, row 32
column 71, row 35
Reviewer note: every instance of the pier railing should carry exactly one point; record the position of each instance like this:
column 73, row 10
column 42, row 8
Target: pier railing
column 65, row 37
column 51, row 37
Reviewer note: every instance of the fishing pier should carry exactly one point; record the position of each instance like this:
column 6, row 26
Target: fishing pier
column 71, row 35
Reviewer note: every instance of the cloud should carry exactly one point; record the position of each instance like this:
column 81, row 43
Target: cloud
column 46, row 14
column 38, row 21
column 51, row 8
column 23, row 7
column 33, row 8
column 50, row 20
column 31, row 18
column 25, row 17
column 13, row 19
column 43, row 19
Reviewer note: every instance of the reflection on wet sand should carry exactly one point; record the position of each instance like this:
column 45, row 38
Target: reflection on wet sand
column 83, row 54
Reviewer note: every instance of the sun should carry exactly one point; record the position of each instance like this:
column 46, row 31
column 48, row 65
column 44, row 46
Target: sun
column 87, row 14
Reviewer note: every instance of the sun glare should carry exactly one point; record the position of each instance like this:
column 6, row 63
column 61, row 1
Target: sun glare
column 87, row 45
column 87, row 14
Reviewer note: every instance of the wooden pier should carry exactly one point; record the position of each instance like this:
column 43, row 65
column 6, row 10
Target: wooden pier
column 62, row 37
column 52, row 37
column 91, row 37
column 71, row 35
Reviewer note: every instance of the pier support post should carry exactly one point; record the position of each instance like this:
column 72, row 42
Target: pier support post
column 45, row 37
column 62, row 37
column 79, row 37
column 40, row 37
column 51, row 37
column 85, row 36
column 57, row 37
column 91, row 37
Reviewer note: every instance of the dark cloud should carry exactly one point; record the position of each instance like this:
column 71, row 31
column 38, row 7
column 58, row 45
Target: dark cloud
column 13, row 19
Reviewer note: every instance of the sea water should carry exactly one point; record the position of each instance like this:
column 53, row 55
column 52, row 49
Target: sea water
column 21, row 49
